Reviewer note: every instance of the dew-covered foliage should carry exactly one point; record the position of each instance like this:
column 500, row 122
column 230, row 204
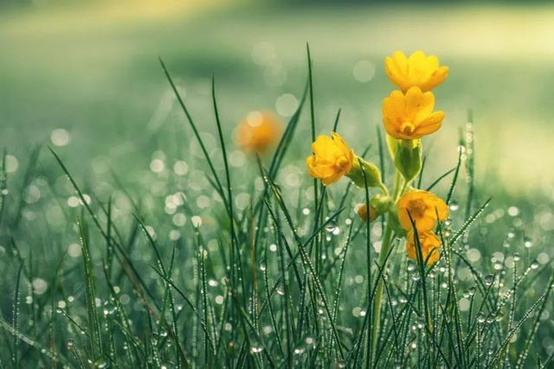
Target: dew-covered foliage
column 226, row 259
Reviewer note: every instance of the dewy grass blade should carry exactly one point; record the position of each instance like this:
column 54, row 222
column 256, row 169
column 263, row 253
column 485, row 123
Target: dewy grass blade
column 90, row 287
column 456, row 173
column 230, row 209
column 339, row 282
column 285, row 141
column 3, row 184
column 341, row 272
column 271, row 312
column 371, row 346
column 16, row 298
column 288, row 313
column 315, row 181
column 468, row 223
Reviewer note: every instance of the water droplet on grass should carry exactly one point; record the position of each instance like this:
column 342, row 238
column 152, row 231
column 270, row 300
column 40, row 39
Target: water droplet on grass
column 330, row 227
column 528, row 242
column 256, row 350
column 454, row 205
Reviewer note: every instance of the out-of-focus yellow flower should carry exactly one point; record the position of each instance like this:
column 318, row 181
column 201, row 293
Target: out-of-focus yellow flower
column 417, row 70
column 411, row 116
column 423, row 207
column 429, row 243
column 258, row 131
column 361, row 210
column 331, row 159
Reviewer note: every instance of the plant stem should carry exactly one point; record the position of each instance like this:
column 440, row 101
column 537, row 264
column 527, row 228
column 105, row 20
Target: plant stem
column 387, row 242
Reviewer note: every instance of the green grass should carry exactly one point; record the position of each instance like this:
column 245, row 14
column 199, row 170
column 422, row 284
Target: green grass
column 255, row 265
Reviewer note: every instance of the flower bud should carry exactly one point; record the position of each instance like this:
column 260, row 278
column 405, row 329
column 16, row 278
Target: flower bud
column 379, row 205
column 407, row 158
column 372, row 174
column 361, row 210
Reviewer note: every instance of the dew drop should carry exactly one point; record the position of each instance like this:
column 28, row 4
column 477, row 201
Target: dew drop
column 527, row 242
column 330, row 227
column 256, row 350
column 481, row 318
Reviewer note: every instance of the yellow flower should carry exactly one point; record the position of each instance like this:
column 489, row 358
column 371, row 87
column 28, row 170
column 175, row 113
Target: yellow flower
column 361, row 210
column 331, row 159
column 417, row 70
column 411, row 116
column 429, row 244
column 258, row 131
column 423, row 207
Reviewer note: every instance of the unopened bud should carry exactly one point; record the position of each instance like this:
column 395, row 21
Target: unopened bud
column 379, row 205
column 372, row 174
column 407, row 158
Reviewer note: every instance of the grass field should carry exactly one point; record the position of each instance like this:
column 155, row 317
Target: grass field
column 153, row 272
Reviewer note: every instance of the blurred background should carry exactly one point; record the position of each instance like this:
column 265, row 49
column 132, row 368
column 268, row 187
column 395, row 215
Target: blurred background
column 84, row 77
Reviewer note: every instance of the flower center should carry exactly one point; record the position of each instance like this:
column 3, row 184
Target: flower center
column 417, row 208
column 342, row 162
column 407, row 128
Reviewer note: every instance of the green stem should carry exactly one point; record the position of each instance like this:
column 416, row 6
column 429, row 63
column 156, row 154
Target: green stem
column 399, row 186
column 397, row 180
column 383, row 189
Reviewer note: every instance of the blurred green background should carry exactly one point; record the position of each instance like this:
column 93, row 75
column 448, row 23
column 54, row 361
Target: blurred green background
column 91, row 70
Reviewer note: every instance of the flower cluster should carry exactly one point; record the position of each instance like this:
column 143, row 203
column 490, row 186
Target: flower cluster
column 418, row 213
column 408, row 116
